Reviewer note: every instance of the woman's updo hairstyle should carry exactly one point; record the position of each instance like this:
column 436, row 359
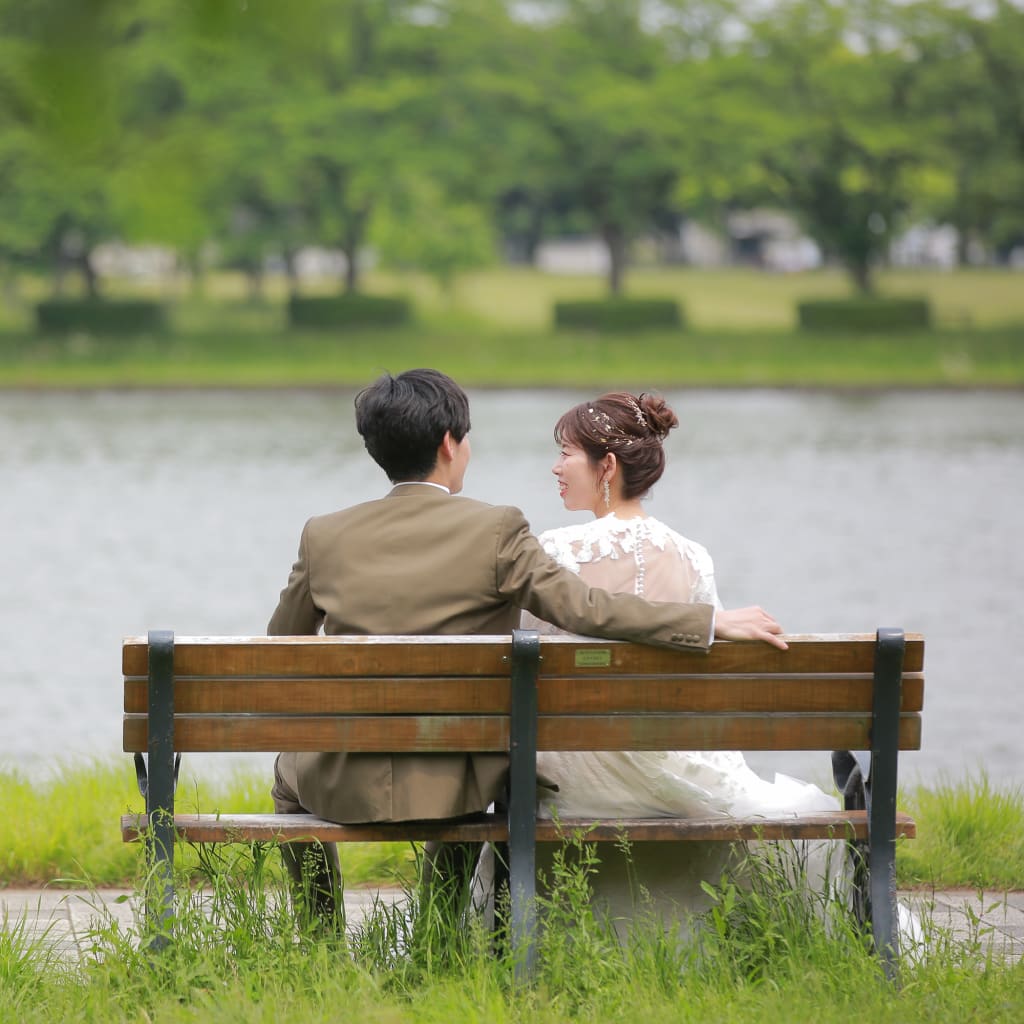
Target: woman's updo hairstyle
column 631, row 428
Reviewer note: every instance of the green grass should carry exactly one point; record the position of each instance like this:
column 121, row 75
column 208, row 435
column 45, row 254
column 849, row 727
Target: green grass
column 65, row 826
column 766, row 951
column 492, row 358
column 521, row 298
column 969, row 834
column 496, row 332
column 64, row 829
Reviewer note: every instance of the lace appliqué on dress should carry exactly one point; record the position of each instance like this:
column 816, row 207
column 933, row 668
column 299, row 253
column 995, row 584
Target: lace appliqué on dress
column 610, row 537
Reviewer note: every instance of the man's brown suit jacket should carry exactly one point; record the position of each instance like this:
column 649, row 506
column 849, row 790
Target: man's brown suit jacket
column 422, row 561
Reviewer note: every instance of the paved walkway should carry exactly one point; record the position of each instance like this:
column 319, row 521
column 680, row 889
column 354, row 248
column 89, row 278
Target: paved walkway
column 65, row 918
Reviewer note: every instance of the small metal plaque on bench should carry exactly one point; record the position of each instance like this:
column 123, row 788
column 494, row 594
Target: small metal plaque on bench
column 594, row 658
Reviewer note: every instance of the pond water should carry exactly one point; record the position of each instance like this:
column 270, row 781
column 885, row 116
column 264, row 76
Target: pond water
column 123, row 512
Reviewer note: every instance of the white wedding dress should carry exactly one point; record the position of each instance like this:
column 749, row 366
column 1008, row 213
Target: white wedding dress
column 645, row 557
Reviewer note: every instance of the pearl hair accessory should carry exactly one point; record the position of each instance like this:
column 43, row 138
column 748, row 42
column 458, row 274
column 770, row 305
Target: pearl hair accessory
column 609, row 432
column 639, row 413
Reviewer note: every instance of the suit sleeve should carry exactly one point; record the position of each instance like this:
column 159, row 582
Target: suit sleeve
column 531, row 579
column 296, row 613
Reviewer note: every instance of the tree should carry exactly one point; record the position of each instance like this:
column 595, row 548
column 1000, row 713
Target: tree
column 998, row 43
column 974, row 167
column 422, row 227
column 823, row 86
column 57, row 135
column 599, row 98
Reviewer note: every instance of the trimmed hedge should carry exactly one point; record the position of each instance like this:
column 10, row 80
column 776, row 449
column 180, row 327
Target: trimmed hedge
column 100, row 316
column 864, row 314
column 353, row 310
column 619, row 314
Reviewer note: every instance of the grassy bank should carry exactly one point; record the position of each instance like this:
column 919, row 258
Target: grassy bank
column 65, row 829
column 489, row 357
column 495, row 331
column 769, row 952
column 970, row 833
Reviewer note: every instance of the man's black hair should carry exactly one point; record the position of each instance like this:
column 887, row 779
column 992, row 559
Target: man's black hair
column 402, row 420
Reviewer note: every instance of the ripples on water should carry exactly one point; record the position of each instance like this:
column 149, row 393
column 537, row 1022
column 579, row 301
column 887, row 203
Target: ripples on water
column 123, row 512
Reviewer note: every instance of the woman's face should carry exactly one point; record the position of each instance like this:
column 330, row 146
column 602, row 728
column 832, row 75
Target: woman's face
column 577, row 479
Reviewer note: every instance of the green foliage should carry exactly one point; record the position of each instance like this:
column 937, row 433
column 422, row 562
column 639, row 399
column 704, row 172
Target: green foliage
column 100, row 316
column 819, row 95
column 243, row 135
column 238, row 955
column 864, row 314
column 422, row 227
column 618, row 314
column 968, row 834
column 351, row 310
column 65, row 826
column 496, row 332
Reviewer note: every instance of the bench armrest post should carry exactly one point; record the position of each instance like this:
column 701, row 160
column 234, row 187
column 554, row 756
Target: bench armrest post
column 160, row 788
column 889, row 649
column 522, row 804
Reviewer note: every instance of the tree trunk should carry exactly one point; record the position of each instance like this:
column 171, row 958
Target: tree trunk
column 860, row 271
column 60, row 269
column 9, row 284
column 355, row 226
column 534, row 234
column 615, row 238
column 351, row 251
column 254, row 276
column 291, row 273
column 92, row 283
column 196, row 274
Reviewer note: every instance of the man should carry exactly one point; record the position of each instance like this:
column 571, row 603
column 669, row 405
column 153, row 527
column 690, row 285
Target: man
column 423, row 561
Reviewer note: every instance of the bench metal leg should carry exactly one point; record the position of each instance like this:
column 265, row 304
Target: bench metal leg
column 851, row 770
column 881, row 795
column 522, row 805
column 160, row 786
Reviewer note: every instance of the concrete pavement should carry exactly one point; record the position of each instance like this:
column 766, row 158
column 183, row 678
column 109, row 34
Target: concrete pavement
column 66, row 920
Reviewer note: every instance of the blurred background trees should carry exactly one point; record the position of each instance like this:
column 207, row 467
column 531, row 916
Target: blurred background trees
column 442, row 133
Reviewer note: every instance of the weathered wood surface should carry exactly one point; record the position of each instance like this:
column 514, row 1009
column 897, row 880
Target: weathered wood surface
column 430, row 694
column 555, row 695
column 488, row 655
column 467, row 733
column 215, row 828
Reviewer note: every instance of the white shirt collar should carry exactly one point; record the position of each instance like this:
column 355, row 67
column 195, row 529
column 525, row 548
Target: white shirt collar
column 422, row 483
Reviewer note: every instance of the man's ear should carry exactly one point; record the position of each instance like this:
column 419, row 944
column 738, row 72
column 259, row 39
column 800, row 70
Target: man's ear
column 447, row 447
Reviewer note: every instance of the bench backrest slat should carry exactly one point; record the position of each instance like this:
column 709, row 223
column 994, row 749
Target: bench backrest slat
column 436, row 733
column 428, row 694
column 579, row 695
column 321, row 656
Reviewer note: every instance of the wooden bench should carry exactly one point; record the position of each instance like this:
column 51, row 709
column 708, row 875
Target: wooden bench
column 848, row 692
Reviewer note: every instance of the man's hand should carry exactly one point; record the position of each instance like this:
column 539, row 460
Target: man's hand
column 749, row 624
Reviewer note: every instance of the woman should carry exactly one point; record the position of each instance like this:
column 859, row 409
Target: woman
column 610, row 455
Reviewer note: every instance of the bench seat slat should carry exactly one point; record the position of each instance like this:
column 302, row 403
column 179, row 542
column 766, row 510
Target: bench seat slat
column 432, row 733
column 459, row 655
column 215, row 828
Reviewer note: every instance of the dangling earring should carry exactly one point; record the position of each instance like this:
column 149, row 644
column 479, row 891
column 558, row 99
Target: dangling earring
column 606, row 494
